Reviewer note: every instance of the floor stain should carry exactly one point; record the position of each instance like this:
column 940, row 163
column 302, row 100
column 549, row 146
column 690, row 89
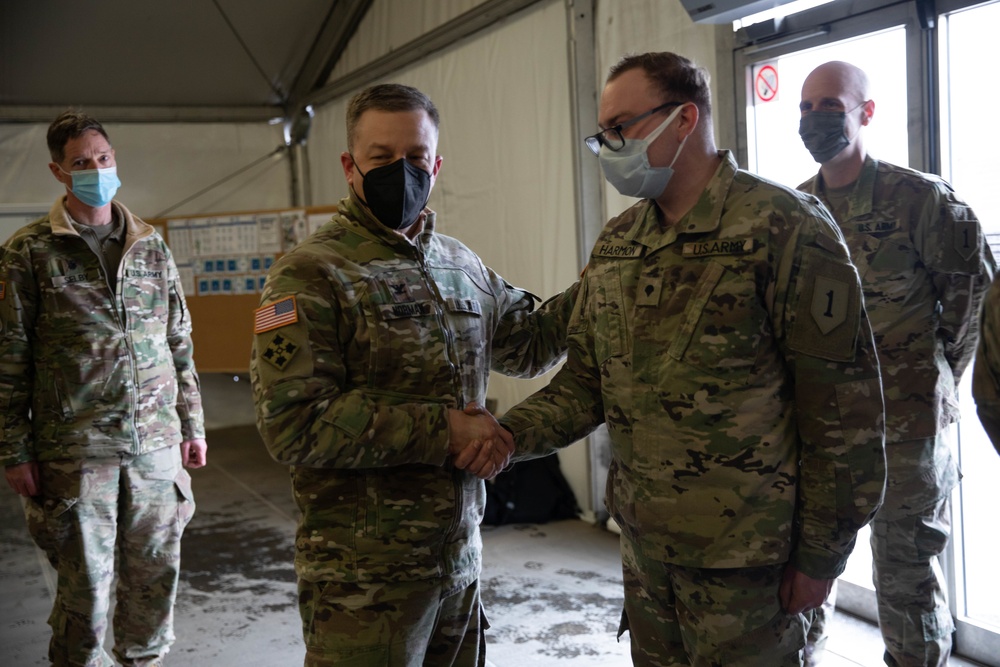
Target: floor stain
column 226, row 553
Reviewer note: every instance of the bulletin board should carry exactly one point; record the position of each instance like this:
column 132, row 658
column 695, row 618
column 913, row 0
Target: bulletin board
column 223, row 260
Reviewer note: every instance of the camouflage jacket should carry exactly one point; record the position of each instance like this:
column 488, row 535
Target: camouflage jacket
column 924, row 267
column 731, row 359
column 362, row 344
column 85, row 372
column 986, row 371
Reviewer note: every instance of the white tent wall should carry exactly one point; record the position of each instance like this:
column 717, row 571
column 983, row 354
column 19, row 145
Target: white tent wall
column 389, row 24
column 160, row 165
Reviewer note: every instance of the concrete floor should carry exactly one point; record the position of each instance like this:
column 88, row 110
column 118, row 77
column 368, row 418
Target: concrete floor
column 552, row 591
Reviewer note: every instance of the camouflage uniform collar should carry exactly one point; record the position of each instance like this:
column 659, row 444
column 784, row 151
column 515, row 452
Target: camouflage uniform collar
column 706, row 214
column 861, row 199
column 354, row 212
column 703, row 217
column 133, row 228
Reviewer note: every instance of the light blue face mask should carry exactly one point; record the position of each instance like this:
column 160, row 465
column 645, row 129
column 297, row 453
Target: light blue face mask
column 628, row 168
column 95, row 187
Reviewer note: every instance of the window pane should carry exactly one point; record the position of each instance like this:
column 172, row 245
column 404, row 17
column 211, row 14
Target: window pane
column 970, row 164
column 774, row 148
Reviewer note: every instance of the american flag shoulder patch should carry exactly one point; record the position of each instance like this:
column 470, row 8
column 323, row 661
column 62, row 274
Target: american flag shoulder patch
column 275, row 315
column 3, row 289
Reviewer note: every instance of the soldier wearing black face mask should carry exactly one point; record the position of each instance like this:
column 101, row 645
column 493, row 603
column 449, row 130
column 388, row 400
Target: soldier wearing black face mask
column 924, row 266
column 396, row 192
column 372, row 338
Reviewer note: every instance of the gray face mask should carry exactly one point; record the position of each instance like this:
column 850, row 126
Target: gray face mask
column 823, row 133
column 628, row 169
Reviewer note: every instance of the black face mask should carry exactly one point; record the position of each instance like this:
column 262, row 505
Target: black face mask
column 396, row 193
column 823, row 134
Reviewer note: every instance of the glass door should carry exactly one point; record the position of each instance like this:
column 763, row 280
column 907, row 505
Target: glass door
column 968, row 107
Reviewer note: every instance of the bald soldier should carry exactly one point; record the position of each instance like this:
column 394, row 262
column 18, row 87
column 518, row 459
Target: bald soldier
column 720, row 334
column 925, row 267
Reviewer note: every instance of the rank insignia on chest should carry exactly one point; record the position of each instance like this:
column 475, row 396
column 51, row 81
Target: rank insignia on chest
column 399, row 290
column 275, row 315
column 279, row 352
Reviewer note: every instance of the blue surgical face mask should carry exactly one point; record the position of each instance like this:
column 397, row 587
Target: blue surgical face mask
column 95, row 187
column 628, row 169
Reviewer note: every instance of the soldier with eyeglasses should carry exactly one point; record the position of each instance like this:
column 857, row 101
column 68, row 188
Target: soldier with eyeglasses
column 720, row 333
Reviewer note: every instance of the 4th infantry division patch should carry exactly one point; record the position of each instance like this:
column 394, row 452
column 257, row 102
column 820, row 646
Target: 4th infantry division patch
column 279, row 352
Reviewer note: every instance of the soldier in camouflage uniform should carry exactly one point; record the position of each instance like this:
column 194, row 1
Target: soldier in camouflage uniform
column 925, row 267
column 372, row 337
column 986, row 371
column 101, row 406
column 720, row 334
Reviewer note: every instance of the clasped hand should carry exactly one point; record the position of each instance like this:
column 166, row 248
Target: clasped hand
column 477, row 442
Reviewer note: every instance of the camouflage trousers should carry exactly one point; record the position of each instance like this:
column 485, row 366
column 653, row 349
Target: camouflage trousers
column 908, row 535
column 96, row 516
column 913, row 611
column 706, row 617
column 396, row 624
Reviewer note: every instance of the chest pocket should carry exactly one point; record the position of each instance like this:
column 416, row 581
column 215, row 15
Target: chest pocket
column 145, row 287
column 72, row 279
column 608, row 319
column 423, row 338
column 720, row 329
column 888, row 268
column 73, row 290
column 469, row 313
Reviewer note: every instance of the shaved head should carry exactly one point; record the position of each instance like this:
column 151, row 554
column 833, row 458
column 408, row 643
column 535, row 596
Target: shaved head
column 839, row 79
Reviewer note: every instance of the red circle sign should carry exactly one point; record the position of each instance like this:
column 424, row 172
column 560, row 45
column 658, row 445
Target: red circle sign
column 766, row 83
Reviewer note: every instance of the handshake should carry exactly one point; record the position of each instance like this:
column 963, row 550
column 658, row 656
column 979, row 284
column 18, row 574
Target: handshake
column 477, row 442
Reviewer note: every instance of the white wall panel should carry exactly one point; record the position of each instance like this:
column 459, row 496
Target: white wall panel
column 389, row 24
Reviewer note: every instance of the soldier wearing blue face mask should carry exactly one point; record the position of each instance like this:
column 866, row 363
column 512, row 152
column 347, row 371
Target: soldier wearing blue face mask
column 100, row 410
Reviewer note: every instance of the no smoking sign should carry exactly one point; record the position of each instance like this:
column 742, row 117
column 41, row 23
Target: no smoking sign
column 765, row 83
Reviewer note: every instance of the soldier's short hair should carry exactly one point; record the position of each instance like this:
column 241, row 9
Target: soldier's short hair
column 679, row 79
column 387, row 97
column 70, row 124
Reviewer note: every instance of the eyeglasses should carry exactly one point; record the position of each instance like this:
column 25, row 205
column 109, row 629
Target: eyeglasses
column 612, row 137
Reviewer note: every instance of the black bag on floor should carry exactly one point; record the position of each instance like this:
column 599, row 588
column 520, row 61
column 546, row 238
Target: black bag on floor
column 533, row 491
